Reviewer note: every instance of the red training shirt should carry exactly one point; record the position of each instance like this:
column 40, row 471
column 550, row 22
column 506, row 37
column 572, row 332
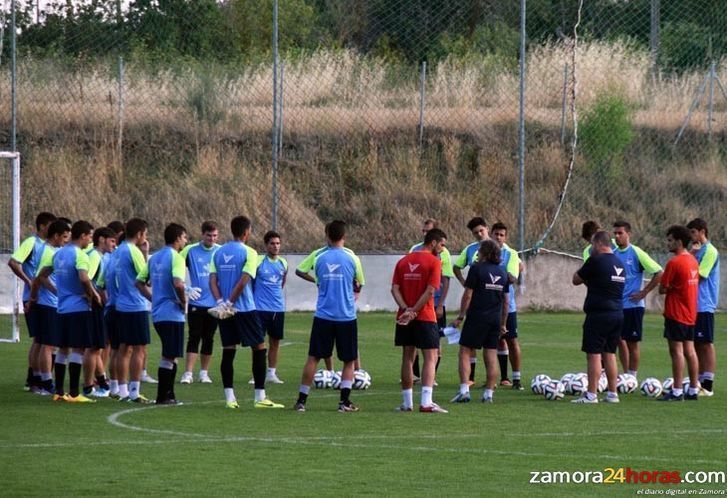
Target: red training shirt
column 681, row 276
column 413, row 273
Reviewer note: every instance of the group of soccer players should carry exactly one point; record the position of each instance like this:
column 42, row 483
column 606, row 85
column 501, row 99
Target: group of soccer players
column 88, row 291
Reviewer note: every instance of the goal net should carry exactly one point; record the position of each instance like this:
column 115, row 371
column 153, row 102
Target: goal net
column 10, row 287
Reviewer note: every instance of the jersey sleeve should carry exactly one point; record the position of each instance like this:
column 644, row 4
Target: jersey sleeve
column 143, row 275
column 260, row 260
column 359, row 271
column 251, row 262
column 284, row 262
column 415, row 247
column 435, row 276
column 46, row 260
column 646, row 261
column 179, row 269
column 513, row 264
column 666, row 277
column 137, row 258
column 82, row 261
column 447, row 270
column 94, row 263
column 708, row 261
column 213, row 267
column 308, row 262
column 185, row 251
column 587, row 252
column 461, row 261
column 101, row 281
column 24, row 250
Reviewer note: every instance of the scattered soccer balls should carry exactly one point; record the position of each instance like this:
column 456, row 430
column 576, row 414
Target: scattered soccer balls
column 602, row 383
column 554, row 390
column 579, row 384
column 566, row 380
column 361, row 379
column 667, row 384
column 322, row 379
column 626, row 383
column 538, row 383
column 651, row 387
column 336, row 380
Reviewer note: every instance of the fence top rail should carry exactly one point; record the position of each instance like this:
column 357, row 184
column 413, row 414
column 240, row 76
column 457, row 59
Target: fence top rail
column 9, row 155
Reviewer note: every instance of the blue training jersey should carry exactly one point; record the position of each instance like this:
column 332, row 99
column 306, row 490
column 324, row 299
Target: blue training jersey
column 269, row 281
column 708, row 296
column 45, row 296
column 163, row 268
column 335, row 270
column 198, row 259
column 28, row 254
column 635, row 262
column 129, row 263
column 509, row 261
column 107, row 280
column 67, row 263
column 229, row 262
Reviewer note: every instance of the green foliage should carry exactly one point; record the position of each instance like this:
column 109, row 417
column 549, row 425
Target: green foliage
column 606, row 131
column 685, row 45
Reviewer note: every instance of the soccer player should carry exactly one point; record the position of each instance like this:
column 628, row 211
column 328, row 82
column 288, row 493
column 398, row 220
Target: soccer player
column 416, row 277
column 680, row 283
column 165, row 274
column 75, row 293
column 24, row 264
column 272, row 271
column 334, row 320
column 707, row 298
column 233, row 266
column 485, row 303
column 43, row 304
column 602, row 273
column 588, row 229
column 131, row 311
column 468, row 256
column 202, row 325
column 509, row 344
column 636, row 262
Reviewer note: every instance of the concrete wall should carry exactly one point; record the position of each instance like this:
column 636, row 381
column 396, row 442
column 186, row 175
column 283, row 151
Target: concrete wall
column 547, row 285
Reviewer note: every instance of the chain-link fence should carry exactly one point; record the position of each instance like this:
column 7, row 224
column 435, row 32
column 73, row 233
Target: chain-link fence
column 381, row 113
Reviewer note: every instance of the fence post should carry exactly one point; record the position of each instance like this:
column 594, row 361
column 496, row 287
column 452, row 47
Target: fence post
column 654, row 34
column 710, row 106
column 422, row 97
column 120, row 117
column 521, row 128
column 564, row 104
column 274, row 215
column 13, row 81
column 281, row 103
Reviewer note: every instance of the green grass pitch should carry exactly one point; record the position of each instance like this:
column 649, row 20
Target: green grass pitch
column 203, row 449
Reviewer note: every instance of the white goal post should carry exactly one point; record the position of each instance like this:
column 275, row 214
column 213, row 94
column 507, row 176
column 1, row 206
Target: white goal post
column 14, row 159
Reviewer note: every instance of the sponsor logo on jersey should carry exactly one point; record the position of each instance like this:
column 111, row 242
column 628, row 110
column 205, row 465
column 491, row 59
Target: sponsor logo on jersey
column 494, row 285
column 618, row 277
column 413, row 266
column 227, row 257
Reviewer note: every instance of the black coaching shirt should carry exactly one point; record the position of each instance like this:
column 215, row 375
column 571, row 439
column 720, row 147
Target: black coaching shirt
column 489, row 284
column 604, row 276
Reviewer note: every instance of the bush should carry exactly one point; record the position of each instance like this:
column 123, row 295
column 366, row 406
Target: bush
column 606, row 132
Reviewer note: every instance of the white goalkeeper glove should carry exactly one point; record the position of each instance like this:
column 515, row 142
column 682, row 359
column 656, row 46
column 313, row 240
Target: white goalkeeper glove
column 223, row 310
column 193, row 293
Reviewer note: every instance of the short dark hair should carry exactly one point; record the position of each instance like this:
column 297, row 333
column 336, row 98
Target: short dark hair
column 475, row 222
column 44, row 218
column 116, row 226
column 601, row 238
column 271, row 234
column 622, row 224
column 498, row 226
column 434, row 234
column 208, row 226
column 79, row 228
column 589, row 228
column 336, row 230
column 680, row 232
column 58, row 227
column 698, row 224
column 489, row 251
column 239, row 225
column 172, row 232
column 105, row 232
column 67, row 221
column 134, row 227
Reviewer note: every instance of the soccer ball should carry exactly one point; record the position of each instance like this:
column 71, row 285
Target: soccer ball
column 361, row 379
column 626, row 383
column 667, row 384
column 554, row 390
column 651, row 387
column 322, row 379
column 566, row 380
column 602, row 383
column 336, row 380
column 538, row 382
column 579, row 384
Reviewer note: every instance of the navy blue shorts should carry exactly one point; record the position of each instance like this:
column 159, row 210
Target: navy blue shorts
column 602, row 332
column 704, row 328
column 633, row 325
column 112, row 327
column 46, row 321
column 480, row 331
column 133, row 327
column 98, row 336
column 273, row 323
column 511, row 325
column 172, row 336
column 677, row 331
column 76, row 329
column 324, row 333
column 31, row 321
column 422, row 335
column 244, row 328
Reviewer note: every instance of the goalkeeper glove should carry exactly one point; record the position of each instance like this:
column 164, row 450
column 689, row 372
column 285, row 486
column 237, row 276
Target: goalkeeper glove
column 193, row 293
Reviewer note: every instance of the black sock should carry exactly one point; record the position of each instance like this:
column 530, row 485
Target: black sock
column 502, row 358
column 345, row 395
column 259, row 367
column 47, row 385
column 87, row 390
column 436, row 367
column 29, row 378
column 302, row 398
column 163, row 386
column 472, row 371
column 74, row 378
column 707, row 384
column 101, row 381
column 172, row 377
column 53, row 359
column 227, row 369
column 415, row 367
column 60, row 371
column 36, row 380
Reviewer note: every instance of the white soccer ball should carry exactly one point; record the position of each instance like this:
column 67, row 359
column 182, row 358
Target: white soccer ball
column 651, row 387
column 322, row 379
column 554, row 390
column 361, row 379
column 566, row 380
column 667, row 384
column 336, row 380
column 626, row 383
column 538, row 382
column 579, row 384
column 685, row 384
column 602, row 382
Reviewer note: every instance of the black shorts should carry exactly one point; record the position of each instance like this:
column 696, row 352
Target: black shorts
column 677, row 331
column 602, row 332
column 325, row 333
column 422, row 335
column 31, row 321
column 273, row 323
column 201, row 323
column 76, row 329
column 133, row 327
column 46, row 323
column 98, row 327
column 172, row 336
column 633, row 325
column 511, row 325
column 704, row 328
column 244, row 328
column 480, row 331
column 112, row 328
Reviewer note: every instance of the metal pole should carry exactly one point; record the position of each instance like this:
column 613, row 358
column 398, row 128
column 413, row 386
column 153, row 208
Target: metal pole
column 17, row 297
column 280, row 113
column 275, row 117
column 564, row 105
column 695, row 103
column 710, row 105
column 654, row 34
column 521, row 131
column 422, row 97
column 120, row 117
column 13, row 82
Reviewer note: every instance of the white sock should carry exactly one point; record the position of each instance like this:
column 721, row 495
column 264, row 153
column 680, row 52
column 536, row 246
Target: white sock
column 677, row 392
column 612, row 394
column 590, row 395
column 123, row 391
column 488, row 394
column 516, row 375
column 114, row 386
column 708, row 376
column 46, row 376
column 37, row 373
column 304, row 389
column 259, row 394
column 426, row 396
column 407, row 396
column 633, row 372
column 346, row 384
column 143, row 373
column 473, row 360
column 202, row 373
column 464, row 388
column 271, row 371
column 134, row 389
column 229, row 394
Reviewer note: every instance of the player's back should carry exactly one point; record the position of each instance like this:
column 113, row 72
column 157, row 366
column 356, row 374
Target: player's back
column 66, row 264
column 229, row 263
column 336, row 269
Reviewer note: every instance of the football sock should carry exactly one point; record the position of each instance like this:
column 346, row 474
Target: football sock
column 516, row 375
column 464, row 388
column 426, row 399
column 87, row 390
column 29, row 377
column 229, row 394
column 488, row 394
column 473, row 364
column 415, row 367
column 134, row 386
column 612, row 394
column 259, row 367
column 303, row 394
column 260, row 394
column 46, row 380
column 407, row 396
column 172, row 379
column 590, row 395
column 101, row 381
column 693, row 390
column 123, row 391
column 677, row 392
column 35, row 380
column 271, row 371
column 74, row 376
column 60, row 373
column 502, row 358
column 164, row 374
column 436, row 366
column 708, row 380
column 114, row 386
column 227, row 369
column 346, row 390
column 633, row 372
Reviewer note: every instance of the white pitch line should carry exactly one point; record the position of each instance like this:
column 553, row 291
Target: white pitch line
column 617, row 433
